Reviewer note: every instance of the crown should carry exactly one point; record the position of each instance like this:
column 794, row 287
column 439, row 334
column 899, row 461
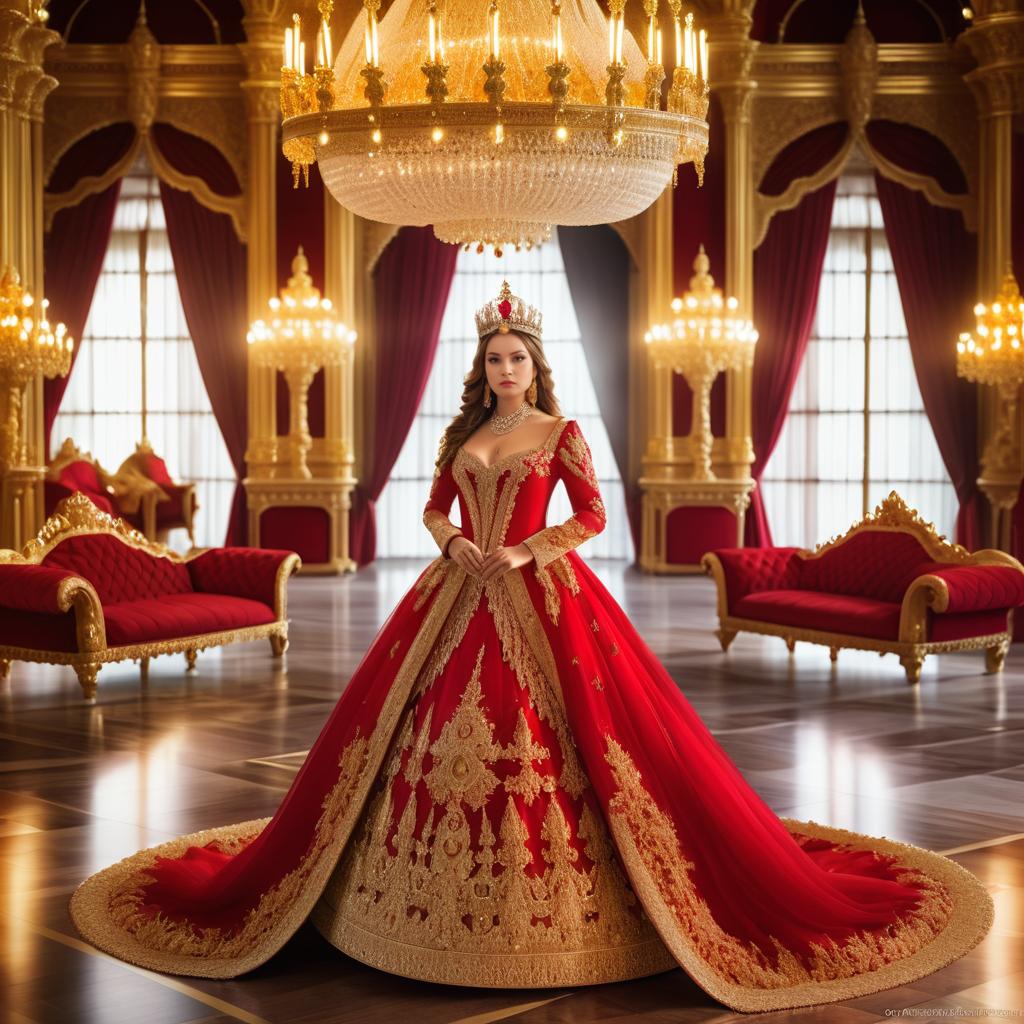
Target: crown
column 507, row 313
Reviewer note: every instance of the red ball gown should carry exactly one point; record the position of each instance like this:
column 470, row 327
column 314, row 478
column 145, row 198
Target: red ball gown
column 513, row 792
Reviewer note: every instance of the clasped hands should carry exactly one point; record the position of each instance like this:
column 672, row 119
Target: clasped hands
column 486, row 567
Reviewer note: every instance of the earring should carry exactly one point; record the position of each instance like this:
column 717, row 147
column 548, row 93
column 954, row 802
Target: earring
column 531, row 392
column 487, row 397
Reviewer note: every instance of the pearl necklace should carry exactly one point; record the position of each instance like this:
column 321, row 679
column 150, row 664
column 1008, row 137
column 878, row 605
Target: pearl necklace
column 506, row 424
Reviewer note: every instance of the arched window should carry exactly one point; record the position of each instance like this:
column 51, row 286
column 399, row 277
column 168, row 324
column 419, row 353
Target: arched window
column 539, row 277
column 856, row 427
column 102, row 407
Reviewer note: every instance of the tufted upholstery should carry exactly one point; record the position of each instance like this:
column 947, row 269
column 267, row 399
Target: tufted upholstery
column 117, row 571
column 749, row 570
column 183, row 614
column 833, row 613
column 878, row 564
column 978, row 587
column 31, row 588
column 244, row 572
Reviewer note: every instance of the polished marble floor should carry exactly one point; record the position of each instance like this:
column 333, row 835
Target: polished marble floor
column 940, row 765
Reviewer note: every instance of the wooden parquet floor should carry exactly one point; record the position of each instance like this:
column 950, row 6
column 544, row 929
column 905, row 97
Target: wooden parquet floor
column 941, row 766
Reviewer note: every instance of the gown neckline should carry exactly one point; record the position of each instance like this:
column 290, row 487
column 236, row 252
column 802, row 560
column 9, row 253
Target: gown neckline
column 512, row 455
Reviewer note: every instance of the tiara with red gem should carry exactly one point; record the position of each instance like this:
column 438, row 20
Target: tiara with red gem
column 507, row 313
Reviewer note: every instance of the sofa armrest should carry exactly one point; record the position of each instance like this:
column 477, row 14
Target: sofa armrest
column 950, row 589
column 258, row 573
column 979, row 588
column 741, row 571
column 38, row 588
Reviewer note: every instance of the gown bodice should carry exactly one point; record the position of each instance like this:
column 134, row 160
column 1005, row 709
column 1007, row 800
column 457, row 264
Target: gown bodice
column 506, row 503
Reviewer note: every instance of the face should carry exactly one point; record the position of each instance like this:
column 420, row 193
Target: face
column 508, row 365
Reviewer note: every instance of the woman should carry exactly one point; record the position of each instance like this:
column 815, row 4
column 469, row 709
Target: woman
column 513, row 792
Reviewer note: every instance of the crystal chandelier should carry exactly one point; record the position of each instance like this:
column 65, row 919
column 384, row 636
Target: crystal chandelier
column 300, row 337
column 494, row 123
column 28, row 346
column 994, row 354
column 705, row 338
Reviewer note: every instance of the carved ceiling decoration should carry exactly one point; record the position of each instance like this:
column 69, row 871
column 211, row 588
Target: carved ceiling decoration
column 812, row 21
column 801, row 88
column 194, row 88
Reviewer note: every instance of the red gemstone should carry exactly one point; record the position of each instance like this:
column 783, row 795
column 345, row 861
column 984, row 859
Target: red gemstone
column 505, row 309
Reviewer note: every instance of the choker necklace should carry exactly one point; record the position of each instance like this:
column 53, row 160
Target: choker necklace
column 506, row 424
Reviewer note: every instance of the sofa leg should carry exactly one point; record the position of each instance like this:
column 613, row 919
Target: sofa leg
column 190, row 660
column 912, row 664
column 994, row 657
column 833, row 654
column 790, row 644
column 279, row 644
column 725, row 637
column 87, row 673
column 5, row 670
column 144, row 669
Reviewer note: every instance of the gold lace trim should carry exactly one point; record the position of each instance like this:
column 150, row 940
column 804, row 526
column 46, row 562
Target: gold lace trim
column 91, row 904
column 575, row 454
column 739, row 973
column 127, row 899
column 441, row 527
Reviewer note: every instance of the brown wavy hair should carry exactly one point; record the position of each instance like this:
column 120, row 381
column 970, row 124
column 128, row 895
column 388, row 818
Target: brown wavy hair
column 473, row 411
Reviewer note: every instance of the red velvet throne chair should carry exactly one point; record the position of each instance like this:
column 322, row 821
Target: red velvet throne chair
column 91, row 590
column 141, row 492
column 890, row 584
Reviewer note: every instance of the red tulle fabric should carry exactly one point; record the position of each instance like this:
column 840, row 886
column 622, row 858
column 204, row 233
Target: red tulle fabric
column 760, row 883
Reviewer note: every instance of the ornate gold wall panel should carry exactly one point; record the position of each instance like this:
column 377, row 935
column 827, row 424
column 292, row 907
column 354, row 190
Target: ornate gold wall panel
column 194, row 88
column 802, row 87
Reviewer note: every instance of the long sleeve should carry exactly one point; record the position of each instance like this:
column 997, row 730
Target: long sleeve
column 576, row 470
column 435, row 514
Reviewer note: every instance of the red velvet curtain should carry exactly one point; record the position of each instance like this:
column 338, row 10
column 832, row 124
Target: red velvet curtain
column 935, row 259
column 787, row 275
column 210, row 265
column 597, row 268
column 411, row 284
column 74, row 251
column 76, row 244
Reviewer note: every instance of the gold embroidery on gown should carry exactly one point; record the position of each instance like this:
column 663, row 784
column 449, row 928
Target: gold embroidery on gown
column 454, row 901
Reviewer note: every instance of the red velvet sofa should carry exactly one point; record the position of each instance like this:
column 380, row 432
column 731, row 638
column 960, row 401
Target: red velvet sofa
column 90, row 590
column 891, row 584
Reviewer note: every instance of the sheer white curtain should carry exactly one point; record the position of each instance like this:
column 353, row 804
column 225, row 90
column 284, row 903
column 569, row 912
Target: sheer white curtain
column 102, row 408
column 539, row 277
column 856, row 427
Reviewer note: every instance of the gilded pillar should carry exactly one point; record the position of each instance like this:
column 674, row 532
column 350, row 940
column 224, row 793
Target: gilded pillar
column 732, row 56
column 262, row 54
column 24, row 86
column 996, row 41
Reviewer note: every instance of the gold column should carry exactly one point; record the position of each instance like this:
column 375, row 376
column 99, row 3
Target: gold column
column 262, row 53
column 24, row 87
column 997, row 42
column 732, row 56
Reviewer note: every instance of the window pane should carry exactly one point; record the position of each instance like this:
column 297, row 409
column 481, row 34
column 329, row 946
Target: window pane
column 814, row 485
column 539, row 276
